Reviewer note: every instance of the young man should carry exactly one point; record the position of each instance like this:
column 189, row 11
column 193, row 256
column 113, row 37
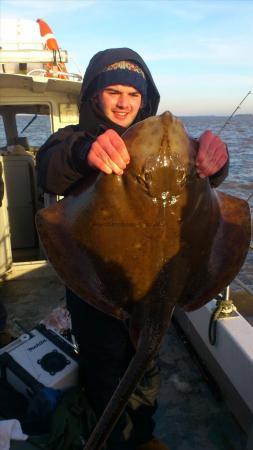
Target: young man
column 118, row 91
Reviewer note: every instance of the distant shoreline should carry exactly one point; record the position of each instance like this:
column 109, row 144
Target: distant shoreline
column 216, row 115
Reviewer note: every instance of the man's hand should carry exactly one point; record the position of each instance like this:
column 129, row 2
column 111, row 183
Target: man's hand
column 109, row 153
column 212, row 154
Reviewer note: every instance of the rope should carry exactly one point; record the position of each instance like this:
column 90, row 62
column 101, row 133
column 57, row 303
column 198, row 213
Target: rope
column 29, row 123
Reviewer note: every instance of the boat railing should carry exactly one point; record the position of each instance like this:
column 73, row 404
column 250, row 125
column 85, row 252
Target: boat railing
column 28, row 55
column 55, row 74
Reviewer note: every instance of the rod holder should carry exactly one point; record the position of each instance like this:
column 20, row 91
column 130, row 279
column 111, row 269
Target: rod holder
column 226, row 305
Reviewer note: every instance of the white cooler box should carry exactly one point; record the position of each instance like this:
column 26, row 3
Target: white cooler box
column 38, row 359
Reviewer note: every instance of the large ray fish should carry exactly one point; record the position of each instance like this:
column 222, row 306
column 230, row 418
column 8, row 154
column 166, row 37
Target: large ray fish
column 135, row 245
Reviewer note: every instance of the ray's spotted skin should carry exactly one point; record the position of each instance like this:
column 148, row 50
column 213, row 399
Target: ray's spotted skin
column 137, row 244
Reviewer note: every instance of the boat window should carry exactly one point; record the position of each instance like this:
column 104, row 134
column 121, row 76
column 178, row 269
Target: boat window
column 34, row 128
column 26, row 125
column 3, row 140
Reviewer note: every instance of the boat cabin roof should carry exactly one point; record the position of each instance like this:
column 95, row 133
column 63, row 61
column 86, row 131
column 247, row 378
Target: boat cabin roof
column 27, row 94
column 39, row 84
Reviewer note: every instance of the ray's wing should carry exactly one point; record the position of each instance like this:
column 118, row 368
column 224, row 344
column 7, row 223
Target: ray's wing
column 68, row 257
column 229, row 250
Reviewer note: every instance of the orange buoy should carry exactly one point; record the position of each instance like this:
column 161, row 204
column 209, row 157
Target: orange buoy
column 51, row 44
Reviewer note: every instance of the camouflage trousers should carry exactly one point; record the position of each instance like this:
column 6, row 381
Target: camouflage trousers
column 105, row 352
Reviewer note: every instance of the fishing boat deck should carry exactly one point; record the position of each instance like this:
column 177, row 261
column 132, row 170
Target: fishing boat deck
column 192, row 413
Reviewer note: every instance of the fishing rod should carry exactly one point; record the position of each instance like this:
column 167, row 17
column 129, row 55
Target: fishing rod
column 233, row 113
column 224, row 304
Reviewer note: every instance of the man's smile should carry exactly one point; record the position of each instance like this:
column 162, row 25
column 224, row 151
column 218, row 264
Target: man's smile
column 120, row 103
column 120, row 113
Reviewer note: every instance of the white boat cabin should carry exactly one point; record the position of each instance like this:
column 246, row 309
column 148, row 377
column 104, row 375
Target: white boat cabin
column 33, row 104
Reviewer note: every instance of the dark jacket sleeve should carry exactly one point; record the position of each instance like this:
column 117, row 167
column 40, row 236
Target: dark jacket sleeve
column 62, row 161
column 219, row 177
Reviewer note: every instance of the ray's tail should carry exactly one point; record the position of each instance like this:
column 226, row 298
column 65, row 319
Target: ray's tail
column 148, row 346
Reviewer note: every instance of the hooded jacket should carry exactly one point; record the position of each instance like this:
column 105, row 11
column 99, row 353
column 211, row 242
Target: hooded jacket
column 62, row 160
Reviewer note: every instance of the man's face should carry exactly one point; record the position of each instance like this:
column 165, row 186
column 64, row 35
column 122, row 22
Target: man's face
column 120, row 103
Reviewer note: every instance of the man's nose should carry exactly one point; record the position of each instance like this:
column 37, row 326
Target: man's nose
column 123, row 101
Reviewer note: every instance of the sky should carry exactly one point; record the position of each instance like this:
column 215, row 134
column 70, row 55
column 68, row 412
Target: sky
column 200, row 52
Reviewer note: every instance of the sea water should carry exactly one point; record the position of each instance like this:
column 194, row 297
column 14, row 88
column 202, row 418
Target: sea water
column 238, row 135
